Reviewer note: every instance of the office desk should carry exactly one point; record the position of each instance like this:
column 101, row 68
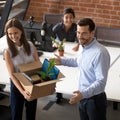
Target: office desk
column 113, row 83
column 4, row 76
column 70, row 82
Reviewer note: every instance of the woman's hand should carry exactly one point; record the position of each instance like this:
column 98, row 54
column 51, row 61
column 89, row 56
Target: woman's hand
column 27, row 95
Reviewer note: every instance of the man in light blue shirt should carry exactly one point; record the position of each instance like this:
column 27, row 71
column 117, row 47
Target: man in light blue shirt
column 93, row 63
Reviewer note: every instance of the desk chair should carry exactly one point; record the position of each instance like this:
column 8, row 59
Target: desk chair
column 108, row 36
column 52, row 18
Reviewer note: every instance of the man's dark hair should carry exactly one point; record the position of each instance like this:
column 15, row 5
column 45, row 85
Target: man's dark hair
column 69, row 10
column 87, row 22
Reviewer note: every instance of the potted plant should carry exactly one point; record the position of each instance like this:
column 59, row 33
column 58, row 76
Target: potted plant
column 60, row 45
column 45, row 73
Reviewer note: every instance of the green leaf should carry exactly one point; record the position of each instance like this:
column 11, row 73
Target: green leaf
column 47, row 73
column 52, row 38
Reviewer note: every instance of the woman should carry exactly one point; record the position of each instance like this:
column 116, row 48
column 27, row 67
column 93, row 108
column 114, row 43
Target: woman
column 67, row 28
column 19, row 51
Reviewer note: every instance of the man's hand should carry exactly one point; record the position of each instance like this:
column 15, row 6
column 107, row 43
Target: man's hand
column 57, row 59
column 55, row 44
column 76, row 98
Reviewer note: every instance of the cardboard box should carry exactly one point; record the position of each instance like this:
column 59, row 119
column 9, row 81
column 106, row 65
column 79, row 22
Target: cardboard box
column 40, row 89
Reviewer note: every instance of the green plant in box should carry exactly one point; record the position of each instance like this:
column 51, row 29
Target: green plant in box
column 46, row 74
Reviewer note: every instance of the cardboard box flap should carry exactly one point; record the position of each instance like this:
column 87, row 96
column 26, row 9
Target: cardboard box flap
column 46, row 82
column 30, row 66
column 26, row 82
column 60, row 75
column 22, row 79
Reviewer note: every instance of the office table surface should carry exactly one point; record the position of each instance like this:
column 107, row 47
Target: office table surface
column 70, row 83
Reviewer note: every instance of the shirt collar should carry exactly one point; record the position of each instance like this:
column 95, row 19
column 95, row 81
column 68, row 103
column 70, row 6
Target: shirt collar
column 19, row 47
column 91, row 44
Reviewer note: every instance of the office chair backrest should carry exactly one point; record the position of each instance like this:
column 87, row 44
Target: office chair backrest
column 108, row 35
column 52, row 18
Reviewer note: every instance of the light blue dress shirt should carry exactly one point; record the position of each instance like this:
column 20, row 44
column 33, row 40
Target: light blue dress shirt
column 93, row 63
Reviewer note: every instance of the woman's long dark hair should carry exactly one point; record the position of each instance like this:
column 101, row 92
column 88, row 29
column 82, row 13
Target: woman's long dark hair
column 16, row 23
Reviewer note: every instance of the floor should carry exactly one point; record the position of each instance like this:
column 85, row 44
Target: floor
column 47, row 108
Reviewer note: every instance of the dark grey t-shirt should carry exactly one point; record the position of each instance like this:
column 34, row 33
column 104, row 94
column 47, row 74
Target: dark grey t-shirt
column 60, row 33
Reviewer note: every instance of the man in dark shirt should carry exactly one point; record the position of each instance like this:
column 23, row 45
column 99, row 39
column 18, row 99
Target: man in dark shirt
column 61, row 32
column 67, row 28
